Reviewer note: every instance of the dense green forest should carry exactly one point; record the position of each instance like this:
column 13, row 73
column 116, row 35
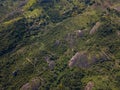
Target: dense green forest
column 59, row 45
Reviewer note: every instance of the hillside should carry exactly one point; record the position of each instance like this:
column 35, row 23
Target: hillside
column 59, row 45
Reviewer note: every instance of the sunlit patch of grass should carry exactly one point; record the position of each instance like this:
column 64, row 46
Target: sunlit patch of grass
column 11, row 21
column 33, row 14
column 29, row 4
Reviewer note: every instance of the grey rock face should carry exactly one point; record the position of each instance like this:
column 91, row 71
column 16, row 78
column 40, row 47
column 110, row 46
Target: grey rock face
column 89, row 86
column 84, row 60
column 95, row 28
column 79, row 59
column 34, row 84
column 51, row 63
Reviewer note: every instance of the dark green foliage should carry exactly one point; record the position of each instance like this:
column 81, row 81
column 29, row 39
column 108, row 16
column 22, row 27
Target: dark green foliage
column 37, row 34
column 106, row 29
column 72, row 80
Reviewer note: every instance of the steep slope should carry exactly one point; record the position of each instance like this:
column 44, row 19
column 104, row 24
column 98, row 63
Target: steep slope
column 48, row 45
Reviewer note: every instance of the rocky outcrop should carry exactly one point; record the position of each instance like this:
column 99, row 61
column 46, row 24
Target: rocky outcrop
column 95, row 28
column 117, row 8
column 89, row 86
column 34, row 84
column 84, row 59
column 79, row 59
column 51, row 63
column 57, row 43
column 118, row 33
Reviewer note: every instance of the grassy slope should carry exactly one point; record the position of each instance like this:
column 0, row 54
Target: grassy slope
column 22, row 43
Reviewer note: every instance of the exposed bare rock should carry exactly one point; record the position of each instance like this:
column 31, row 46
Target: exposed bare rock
column 118, row 33
column 57, row 43
column 85, row 60
column 51, row 63
column 79, row 59
column 22, row 3
column 117, row 8
column 74, row 59
column 95, row 28
column 79, row 33
column 34, row 84
column 89, row 86
column 27, row 86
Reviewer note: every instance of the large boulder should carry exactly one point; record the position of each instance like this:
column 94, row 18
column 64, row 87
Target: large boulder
column 34, row 84
column 50, row 63
column 89, row 86
column 95, row 28
column 85, row 59
column 79, row 59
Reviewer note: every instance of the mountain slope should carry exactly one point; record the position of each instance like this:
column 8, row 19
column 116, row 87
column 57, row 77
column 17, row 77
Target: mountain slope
column 60, row 44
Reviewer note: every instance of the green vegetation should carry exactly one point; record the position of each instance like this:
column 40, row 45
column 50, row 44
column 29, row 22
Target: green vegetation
column 30, row 4
column 39, row 37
